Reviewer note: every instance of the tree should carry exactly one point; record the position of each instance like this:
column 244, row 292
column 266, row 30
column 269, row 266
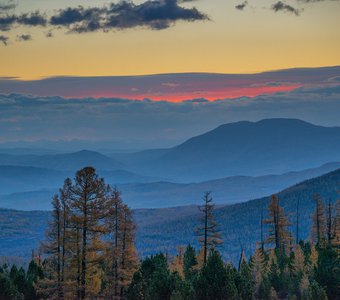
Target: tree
column 215, row 281
column 258, row 268
column 88, row 208
column 209, row 237
column 189, row 263
column 121, row 258
column 50, row 285
column 319, row 222
column 153, row 280
column 278, row 232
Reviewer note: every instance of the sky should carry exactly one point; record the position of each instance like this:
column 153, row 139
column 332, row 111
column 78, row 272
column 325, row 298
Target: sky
column 44, row 38
column 153, row 73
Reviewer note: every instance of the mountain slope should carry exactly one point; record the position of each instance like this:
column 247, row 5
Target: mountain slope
column 144, row 192
column 66, row 162
column 165, row 229
column 271, row 146
column 21, row 179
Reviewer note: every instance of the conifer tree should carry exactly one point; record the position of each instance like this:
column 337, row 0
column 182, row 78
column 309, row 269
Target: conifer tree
column 121, row 258
column 88, row 208
column 258, row 268
column 189, row 263
column 50, row 285
column 278, row 232
column 336, row 227
column 319, row 222
column 215, row 281
column 209, row 236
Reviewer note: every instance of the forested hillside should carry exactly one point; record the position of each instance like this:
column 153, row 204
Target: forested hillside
column 240, row 224
column 165, row 229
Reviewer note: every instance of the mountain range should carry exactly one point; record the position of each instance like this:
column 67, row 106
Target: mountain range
column 237, row 161
column 271, row 146
column 166, row 228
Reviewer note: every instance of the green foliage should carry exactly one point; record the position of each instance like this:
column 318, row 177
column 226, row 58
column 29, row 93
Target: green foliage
column 189, row 262
column 327, row 273
column 245, row 283
column 215, row 281
column 17, row 284
column 315, row 292
column 153, row 280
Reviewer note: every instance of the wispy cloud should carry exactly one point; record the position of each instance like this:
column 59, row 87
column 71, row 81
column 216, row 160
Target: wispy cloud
column 281, row 6
column 4, row 40
column 10, row 5
column 242, row 5
column 24, row 37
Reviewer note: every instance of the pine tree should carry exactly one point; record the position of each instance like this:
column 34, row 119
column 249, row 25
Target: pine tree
column 88, row 208
column 319, row 222
column 258, row 268
column 215, row 281
column 336, row 227
column 278, row 232
column 189, row 263
column 209, row 237
column 50, row 285
column 121, row 258
column 177, row 264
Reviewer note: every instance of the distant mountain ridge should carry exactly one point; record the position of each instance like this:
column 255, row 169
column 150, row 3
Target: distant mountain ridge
column 147, row 192
column 165, row 229
column 270, row 146
column 66, row 161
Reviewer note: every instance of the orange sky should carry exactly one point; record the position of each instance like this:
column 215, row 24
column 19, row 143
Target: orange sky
column 232, row 41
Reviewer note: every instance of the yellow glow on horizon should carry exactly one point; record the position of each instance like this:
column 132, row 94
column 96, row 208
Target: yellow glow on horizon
column 252, row 41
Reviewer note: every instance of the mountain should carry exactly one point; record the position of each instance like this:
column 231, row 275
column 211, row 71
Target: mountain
column 270, row 146
column 164, row 229
column 145, row 192
column 18, row 180
column 66, row 161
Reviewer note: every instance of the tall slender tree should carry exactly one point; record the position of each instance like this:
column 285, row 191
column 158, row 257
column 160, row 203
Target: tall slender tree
column 319, row 222
column 88, row 208
column 207, row 231
column 278, row 232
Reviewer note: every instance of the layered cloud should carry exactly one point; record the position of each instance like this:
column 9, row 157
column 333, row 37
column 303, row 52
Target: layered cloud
column 123, row 123
column 173, row 87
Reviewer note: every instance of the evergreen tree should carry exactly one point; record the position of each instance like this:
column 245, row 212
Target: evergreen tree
column 319, row 222
column 278, row 232
column 88, row 209
column 209, row 237
column 152, row 280
column 50, row 285
column 215, row 281
column 121, row 258
column 189, row 263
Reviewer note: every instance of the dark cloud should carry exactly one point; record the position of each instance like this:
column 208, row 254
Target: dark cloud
column 24, row 37
column 4, row 39
column 8, row 6
column 6, row 22
column 242, row 5
column 32, row 19
column 280, row 6
column 157, row 15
